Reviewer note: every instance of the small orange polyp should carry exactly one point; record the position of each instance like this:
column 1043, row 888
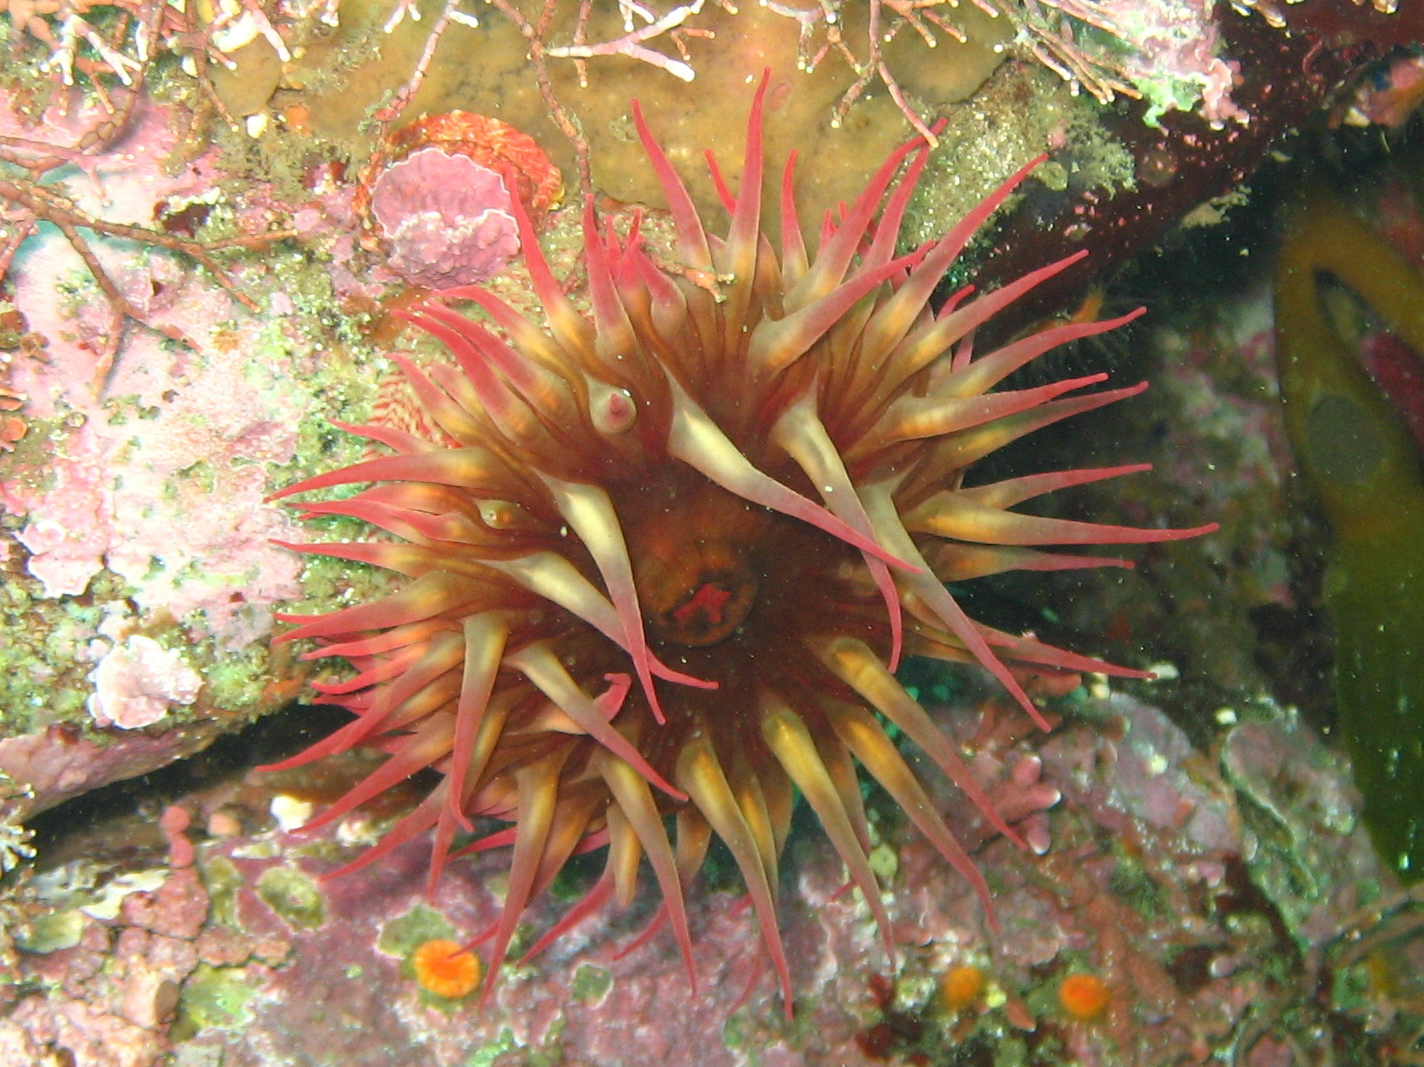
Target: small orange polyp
column 1083, row 996
column 961, row 986
column 446, row 969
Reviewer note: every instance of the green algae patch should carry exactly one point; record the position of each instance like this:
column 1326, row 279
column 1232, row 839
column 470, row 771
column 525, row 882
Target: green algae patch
column 237, row 680
column 591, row 984
column 990, row 135
column 294, row 896
column 405, row 933
column 50, row 933
column 735, row 1032
column 213, row 997
column 222, row 880
column 486, row 1056
column 44, row 675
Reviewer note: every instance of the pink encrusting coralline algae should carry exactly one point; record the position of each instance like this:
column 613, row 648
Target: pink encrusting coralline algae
column 445, row 219
column 137, row 681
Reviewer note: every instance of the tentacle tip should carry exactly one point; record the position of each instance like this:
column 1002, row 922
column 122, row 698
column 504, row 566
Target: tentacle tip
column 992, row 917
column 1185, row 533
column 1037, row 716
column 487, row 991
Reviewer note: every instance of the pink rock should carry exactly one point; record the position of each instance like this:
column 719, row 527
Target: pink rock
column 95, row 1038
column 446, row 219
column 177, row 909
column 15, row 1044
column 56, row 764
column 150, row 968
column 68, row 529
column 173, row 822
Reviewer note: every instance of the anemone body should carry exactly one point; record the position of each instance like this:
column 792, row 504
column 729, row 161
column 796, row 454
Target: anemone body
column 665, row 557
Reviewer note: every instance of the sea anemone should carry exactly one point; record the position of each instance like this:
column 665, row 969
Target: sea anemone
column 665, row 557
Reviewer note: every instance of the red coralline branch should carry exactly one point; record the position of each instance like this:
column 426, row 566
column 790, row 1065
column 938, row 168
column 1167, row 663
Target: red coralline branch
column 643, row 25
column 31, row 202
column 37, row 202
column 1278, row 91
column 631, row 44
column 657, row 35
column 821, row 34
column 1043, row 29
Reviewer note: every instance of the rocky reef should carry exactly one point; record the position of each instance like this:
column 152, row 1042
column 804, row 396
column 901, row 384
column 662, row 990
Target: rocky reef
column 200, row 272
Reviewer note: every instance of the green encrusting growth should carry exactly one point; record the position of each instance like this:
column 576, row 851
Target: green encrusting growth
column 1364, row 468
column 294, row 895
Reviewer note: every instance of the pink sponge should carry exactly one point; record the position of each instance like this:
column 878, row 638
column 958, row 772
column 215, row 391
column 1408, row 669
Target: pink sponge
column 445, row 218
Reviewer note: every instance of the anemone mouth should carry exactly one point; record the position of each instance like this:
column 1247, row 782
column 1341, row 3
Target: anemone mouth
column 697, row 553
column 720, row 598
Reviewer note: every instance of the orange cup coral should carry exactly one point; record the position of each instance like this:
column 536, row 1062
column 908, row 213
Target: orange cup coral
column 446, row 969
column 961, row 986
column 1083, row 996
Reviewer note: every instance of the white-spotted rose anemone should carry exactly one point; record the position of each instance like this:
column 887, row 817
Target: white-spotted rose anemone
column 665, row 558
